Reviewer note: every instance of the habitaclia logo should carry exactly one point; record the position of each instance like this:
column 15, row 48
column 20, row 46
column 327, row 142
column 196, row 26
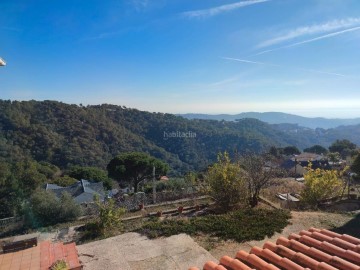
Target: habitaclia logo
column 179, row 134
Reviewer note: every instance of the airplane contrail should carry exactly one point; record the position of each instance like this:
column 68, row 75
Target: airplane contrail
column 220, row 9
column 280, row 66
column 310, row 40
column 314, row 29
column 249, row 62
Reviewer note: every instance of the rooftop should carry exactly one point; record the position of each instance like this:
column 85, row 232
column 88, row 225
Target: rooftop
column 315, row 249
column 82, row 191
column 307, row 157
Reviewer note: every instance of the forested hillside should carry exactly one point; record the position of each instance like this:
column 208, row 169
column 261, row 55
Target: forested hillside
column 65, row 135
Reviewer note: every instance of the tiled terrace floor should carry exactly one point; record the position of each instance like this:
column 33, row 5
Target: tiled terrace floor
column 41, row 257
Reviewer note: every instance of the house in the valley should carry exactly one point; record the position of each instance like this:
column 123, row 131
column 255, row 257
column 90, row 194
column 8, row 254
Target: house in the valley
column 164, row 178
column 317, row 161
column 293, row 168
column 82, row 191
column 297, row 165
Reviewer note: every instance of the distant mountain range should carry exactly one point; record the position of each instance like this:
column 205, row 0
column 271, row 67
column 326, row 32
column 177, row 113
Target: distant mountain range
column 279, row 118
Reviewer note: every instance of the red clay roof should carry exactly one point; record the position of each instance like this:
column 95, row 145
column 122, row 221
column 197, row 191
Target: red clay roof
column 41, row 257
column 313, row 249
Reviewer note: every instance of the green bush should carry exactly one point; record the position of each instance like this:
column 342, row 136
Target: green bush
column 59, row 265
column 69, row 210
column 321, row 185
column 46, row 209
column 225, row 181
column 241, row 225
column 107, row 222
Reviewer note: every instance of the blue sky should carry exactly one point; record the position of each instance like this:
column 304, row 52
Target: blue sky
column 178, row 56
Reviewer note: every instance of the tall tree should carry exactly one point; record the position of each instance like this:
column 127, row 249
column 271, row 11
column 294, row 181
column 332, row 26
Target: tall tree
column 9, row 192
column 316, row 149
column 90, row 173
column 291, row 150
column 28, row 176
column 135, row 167
column 334, row 157
column 344, row 147
column 259, row 173
column 275, row 152
column 355, row 167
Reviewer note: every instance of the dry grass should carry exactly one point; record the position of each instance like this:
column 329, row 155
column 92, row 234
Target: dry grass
column 281, row 185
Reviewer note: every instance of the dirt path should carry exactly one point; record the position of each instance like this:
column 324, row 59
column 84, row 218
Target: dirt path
column 299, row 221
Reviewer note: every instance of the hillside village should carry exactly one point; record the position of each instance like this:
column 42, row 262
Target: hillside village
column 73, row 214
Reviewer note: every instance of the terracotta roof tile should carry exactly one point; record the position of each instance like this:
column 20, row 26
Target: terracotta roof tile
column 297, row 257
column 333, row 249
column 213, row 266
column 315, row 249
column 338, row 241
column 255, row 261
column 275, row 259
column 345, row 237
column 234, row 264
column 320, row 255
column 41, row 257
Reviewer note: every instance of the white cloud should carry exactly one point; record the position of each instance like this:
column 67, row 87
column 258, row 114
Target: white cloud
column 312, row 30
column 140, row 4
column 220, row 9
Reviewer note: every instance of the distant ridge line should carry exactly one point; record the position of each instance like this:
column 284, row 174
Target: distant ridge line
column 279, row 118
